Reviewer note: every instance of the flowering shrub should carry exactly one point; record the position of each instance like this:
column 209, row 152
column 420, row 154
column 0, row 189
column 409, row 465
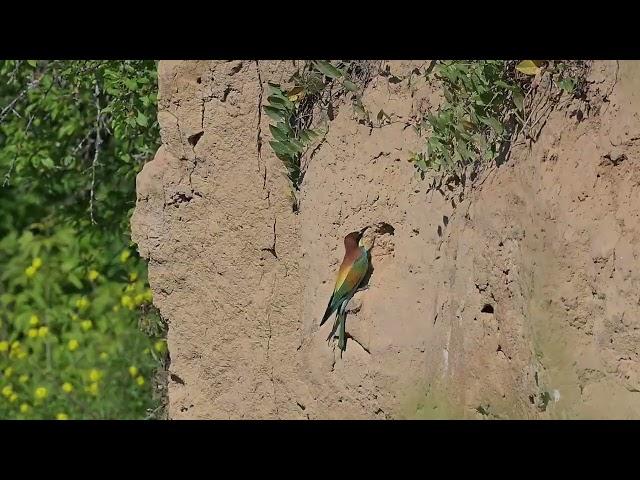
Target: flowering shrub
column 78, row 335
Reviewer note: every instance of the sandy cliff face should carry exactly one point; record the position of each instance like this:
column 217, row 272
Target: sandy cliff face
column 516, row 298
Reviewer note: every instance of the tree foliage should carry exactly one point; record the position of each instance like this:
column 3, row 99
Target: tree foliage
column 73, row 293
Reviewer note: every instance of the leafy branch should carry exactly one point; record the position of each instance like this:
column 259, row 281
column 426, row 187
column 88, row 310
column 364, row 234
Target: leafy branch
column 295, row 110
column 487, row 104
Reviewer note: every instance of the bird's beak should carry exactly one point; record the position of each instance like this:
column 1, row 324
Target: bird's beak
column 364, row 230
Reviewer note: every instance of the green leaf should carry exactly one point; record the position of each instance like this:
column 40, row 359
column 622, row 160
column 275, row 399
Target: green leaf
column 359, row 109
column 75, row 281
column 464, row 152
column 480, row 142
column 281, row 103
column 327, row 69
column 278, row 133
column 304, row 136
column 567, row 84
column 296, row 145
column 274, row 113
column 467, row 125
column 493, row 123
column 142, row 120
column 47, row 162
column 282, row 148
column 421, row 164
column 273, row 89
column 308, row 135
column 295, row 91
column 32, row 63
column 314, row 83
column 529, row 67
column 131, row 84
column 518, row 100
column 352, row 87
column 277, row 103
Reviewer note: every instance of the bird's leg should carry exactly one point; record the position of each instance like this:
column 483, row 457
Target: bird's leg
column 360, row 289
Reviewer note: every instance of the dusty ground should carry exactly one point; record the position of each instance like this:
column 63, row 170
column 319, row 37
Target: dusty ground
column 517, row 300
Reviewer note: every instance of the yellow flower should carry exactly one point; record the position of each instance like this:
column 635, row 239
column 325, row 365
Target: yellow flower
column 67, row 387
column 140, row 381
column 74, row 317
column 126, row 301
column 24, row 378
column 93, row 274
column 30, row 271
column 148, row 295
column 86, row 325
column 133, row 276
column 124, row 256
column 73, row 345
column 62, row 416
column 24, row 408
column 95, row 375
column 34, row 321
column 116, row 308
column 42, row 331
column 104, row 356
column 133, row 371
column 8, row 372
column 146, row 351
column 130, row 288
column 7, row 391
column 82, row 303
column 41, row 393
column 4, row 346
column 21, row 355
column 93, row 389
column 13, row 398
column 15, row 345
column 37, row 263
column 160, row 346
column 138, row 299
column 32, row 333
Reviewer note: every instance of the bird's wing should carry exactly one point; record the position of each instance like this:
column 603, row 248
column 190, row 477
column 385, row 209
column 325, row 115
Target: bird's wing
column 349, row 277
column 330, row 309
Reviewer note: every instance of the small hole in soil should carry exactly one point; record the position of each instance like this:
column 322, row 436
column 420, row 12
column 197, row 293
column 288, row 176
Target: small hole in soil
column 487, row 308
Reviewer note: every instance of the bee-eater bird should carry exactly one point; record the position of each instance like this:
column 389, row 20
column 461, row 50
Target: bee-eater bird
column 353, row 270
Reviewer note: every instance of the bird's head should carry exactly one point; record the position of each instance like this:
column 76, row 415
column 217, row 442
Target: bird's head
column 353, row 239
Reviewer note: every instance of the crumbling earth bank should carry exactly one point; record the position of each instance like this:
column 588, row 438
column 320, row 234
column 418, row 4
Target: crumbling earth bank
column 516, row 299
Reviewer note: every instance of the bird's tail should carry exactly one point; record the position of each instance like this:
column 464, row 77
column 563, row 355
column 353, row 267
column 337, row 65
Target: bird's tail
column 339, row 325
column 336, row 323
column 342, row 339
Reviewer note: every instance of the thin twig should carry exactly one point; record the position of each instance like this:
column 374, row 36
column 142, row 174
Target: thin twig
column 32, row 84
column 79, row 146
column 96, row 151
column 12, row 77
